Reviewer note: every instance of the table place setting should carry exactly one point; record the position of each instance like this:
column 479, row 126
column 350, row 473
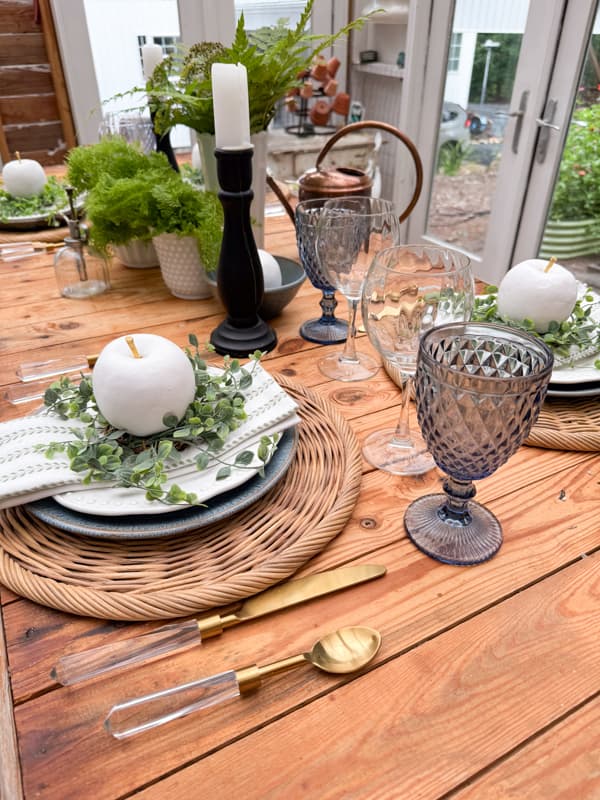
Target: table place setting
column 31, row 468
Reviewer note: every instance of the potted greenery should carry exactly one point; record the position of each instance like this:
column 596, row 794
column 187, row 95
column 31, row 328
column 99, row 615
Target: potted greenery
column 180, row 90
column 573, row 227
column 134, row 196
column 125, row 228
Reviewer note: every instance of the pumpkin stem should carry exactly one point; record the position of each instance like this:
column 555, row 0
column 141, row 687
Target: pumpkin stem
column 550, row 264
column 132, row 347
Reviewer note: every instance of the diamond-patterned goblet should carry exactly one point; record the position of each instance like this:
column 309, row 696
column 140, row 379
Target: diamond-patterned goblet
column 479, row 390
column 326, row 329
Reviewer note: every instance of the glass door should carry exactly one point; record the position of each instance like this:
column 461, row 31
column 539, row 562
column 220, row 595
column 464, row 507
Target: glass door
column 487, row 81
column 567, row 225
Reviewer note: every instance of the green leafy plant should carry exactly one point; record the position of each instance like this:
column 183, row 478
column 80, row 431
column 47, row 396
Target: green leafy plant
column 112, row 157
column 131, row 195
column 104, row 453
column 49, row 202
column 579, row 332
column 272, row 72
column 577, row 191
column 451, row 157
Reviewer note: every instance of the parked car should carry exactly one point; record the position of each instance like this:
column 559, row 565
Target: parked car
column 453, row 126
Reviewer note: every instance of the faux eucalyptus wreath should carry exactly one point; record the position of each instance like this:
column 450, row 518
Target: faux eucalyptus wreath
column 105, row 453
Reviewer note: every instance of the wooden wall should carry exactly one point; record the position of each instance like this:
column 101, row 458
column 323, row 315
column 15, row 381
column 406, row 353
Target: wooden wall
column 35, row 115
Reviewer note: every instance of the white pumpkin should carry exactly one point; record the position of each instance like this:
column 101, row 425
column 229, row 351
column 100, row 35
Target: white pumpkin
column 271, row 270
column 539, row 290
column 23, row 177
column 134, row 393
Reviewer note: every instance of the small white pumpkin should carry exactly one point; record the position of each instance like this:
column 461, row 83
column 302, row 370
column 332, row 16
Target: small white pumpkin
column 23, row 177
column 539, row 290
column 134, row 392
column 271, row 270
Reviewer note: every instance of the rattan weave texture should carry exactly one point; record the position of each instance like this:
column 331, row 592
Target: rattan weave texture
column 567, row 425
column 222, row 563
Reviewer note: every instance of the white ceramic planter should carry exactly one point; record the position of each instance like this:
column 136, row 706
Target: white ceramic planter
column 570, row 238
column 138, row 254
column 180, row 266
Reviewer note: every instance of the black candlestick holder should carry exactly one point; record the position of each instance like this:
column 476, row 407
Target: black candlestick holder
column 239, row 273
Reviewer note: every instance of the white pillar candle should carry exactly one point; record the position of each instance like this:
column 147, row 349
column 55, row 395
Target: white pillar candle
column 231, row 105
column 152, row 55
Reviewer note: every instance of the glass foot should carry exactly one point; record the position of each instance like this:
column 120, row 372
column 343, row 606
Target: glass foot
column 382, row 450
column 445, row 538
column 340, row 369
column 321, row 331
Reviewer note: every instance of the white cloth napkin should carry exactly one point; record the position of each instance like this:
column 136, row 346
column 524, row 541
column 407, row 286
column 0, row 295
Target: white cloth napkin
column 26, row 474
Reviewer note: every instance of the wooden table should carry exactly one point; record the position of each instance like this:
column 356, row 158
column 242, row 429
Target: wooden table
column 487, row 683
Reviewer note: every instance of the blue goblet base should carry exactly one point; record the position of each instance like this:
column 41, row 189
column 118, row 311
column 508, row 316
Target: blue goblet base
column 324, row 330
column 439, row 533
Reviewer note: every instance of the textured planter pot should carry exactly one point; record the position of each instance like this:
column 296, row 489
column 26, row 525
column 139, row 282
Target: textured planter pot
column 206, row 145
column 571, row 238
column 180, row 266
column 138, row 254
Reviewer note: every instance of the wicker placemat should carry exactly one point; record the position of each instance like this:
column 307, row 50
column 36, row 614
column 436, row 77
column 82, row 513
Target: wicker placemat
column 219, row 564
column 44, row 235
column 567, row 424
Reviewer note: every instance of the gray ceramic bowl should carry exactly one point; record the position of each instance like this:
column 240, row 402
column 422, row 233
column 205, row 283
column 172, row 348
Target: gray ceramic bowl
column 275, row 300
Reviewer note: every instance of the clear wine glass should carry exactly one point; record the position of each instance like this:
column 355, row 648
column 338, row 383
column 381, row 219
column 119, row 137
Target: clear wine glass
column 326, row 329
column 350, row 232
column 479, row 390
column 408, row 290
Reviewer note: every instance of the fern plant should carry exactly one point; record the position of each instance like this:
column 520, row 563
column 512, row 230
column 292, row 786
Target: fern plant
column 272, row 72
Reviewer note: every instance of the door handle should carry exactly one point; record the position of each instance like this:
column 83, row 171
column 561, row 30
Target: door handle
column 546, row 125
column 519, row 114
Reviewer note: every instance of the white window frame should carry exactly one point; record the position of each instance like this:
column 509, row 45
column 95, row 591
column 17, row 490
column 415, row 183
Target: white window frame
column 200, row 20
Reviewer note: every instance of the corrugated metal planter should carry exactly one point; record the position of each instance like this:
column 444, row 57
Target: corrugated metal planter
column 571, row 238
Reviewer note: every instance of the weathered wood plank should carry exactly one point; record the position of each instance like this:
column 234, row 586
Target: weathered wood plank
column 22, row 48
column 17, row 110
column 29, row 79
column 10, row 772
column 562, row 763
column 37, row 136
column 17, row 16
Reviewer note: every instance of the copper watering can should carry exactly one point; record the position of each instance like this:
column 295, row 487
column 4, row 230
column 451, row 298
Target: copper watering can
column 320, row 183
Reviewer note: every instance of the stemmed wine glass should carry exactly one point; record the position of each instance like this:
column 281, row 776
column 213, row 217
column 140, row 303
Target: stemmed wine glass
column 326, row 329
column 350, row 231
column 479, row 390
column 408, row 290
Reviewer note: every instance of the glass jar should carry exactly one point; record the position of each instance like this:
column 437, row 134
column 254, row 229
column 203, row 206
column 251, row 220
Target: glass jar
column 79, row 272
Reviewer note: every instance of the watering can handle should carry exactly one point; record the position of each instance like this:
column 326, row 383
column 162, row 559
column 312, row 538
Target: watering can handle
column 384, row 126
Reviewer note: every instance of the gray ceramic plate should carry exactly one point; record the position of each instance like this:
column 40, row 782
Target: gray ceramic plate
column 155, row 526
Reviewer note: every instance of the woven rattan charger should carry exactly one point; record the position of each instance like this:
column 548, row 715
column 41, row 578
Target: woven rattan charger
column 220, row 564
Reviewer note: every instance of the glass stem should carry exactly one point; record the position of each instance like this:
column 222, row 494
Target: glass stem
column 328, row 305
column 349, row 353
column 402, row 436
column 455, row 510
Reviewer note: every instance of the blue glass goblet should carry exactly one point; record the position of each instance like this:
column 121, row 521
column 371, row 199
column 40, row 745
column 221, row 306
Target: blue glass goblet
column 479, row 389
column 326, row 329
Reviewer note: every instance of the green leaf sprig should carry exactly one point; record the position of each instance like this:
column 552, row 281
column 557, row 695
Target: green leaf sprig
column 48, row 202
column 580, row 331
column 105, row 453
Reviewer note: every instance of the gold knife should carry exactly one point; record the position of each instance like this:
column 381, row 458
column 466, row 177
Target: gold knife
column 179, row 636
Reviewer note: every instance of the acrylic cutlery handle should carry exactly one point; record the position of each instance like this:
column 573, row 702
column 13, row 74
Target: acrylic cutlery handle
column 143, row 713
column 36, row 370
column 89, row 663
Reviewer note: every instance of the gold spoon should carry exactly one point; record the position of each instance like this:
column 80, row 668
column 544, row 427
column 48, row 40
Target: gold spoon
column 342, row 651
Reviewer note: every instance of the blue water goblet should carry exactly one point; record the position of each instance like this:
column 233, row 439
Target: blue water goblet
column 479, row 389
column 326, row 329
